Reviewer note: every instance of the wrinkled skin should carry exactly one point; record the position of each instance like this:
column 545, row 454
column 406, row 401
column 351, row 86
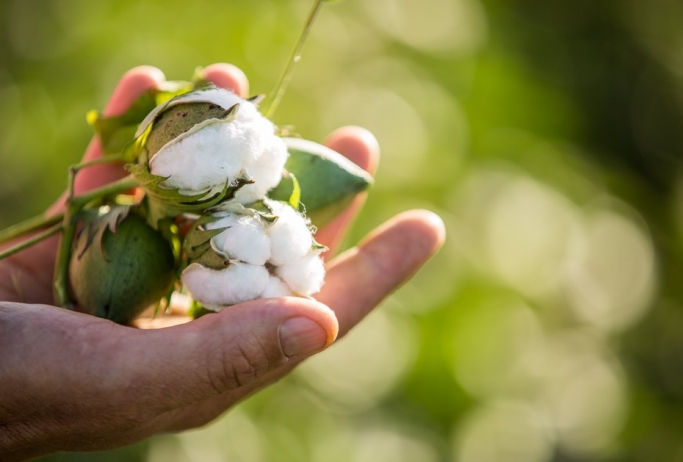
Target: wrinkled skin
column 70, row 381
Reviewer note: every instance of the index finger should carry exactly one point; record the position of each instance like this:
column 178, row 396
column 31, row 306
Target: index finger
column 361, row 147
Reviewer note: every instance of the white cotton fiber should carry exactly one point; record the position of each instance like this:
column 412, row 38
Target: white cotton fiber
column 276, row 288
column 206, row 159
column 305, row 275
column 265, row 170
column 243, row 239
column 239, row 282
column 290, row 237
column 216, row 152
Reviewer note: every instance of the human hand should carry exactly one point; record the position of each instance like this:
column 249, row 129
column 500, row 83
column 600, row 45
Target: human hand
column 71, row 381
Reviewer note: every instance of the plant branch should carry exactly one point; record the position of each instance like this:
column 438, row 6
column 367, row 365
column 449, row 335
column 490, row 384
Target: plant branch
column 31, row 241
column 111, row 189
column 294, row 57
column 30, row 225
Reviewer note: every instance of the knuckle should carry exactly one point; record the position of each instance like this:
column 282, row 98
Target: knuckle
column 242, row 364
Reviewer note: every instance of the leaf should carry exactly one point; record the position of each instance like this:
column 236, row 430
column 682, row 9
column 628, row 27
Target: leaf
column 328, row 180
column 295, row 198
column 168, row 202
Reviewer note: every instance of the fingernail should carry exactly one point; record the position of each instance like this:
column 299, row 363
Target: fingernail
column 301, row 336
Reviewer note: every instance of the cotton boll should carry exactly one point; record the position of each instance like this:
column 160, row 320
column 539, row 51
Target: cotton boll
column 290, row 237
column 276, row 288
column 205, row 159
column 239, row 282
column 266, row 171
column 243, row 239
column 305, row 275
column 217, row 151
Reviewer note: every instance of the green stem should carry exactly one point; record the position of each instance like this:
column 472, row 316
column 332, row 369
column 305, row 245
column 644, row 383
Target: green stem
column 99, row 160
column 31, row 241
column 111, row 189
column 61, row 280
column 42, row 221
column 294, row 57
column 30, row 225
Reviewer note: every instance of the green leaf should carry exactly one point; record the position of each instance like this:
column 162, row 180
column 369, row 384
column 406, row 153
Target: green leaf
column 328, row 180
column 295, row 198
column 168, row 202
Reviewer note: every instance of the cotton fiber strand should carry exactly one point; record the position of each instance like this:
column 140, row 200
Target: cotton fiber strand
column 305, row 275
column 290, row 237
column 244, row 238
column 276, row 288
column 239, row 282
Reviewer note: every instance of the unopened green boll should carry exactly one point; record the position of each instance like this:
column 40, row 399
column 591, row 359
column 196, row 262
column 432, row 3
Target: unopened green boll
column 123, row 274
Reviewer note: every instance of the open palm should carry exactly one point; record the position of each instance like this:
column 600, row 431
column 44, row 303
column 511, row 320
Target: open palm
column 71, row 381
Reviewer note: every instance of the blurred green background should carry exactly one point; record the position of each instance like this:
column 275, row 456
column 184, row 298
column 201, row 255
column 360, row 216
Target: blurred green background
column 545, row 133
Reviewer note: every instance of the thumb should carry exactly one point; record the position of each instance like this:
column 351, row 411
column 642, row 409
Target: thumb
column 220, row 352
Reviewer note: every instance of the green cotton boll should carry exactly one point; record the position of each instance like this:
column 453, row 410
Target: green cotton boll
column 123, row 274
column 328, row 181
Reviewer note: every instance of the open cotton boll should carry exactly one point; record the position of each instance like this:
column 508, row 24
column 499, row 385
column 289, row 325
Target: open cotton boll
column 204, row 156
column 276, row 288
column 204, row 160
column 244, row 238
column 305, row 275
column 265, row 170
column 290, row 237
column 239, row 282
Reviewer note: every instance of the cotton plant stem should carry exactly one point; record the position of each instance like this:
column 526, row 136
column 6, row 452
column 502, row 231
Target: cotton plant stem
column 73, row 206
column 61, row 280
column 28, row 226
column 99, row 160
column 56, row 227
column 111, row 189
column 294, row 57
column 42, row 221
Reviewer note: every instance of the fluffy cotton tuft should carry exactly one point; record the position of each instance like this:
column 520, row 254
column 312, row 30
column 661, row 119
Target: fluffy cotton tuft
column 239, row 282
column 305, row 275
column 276, row 288
column 244, row 238
column 216, row 152
column 265, row 170
column 290, row 236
